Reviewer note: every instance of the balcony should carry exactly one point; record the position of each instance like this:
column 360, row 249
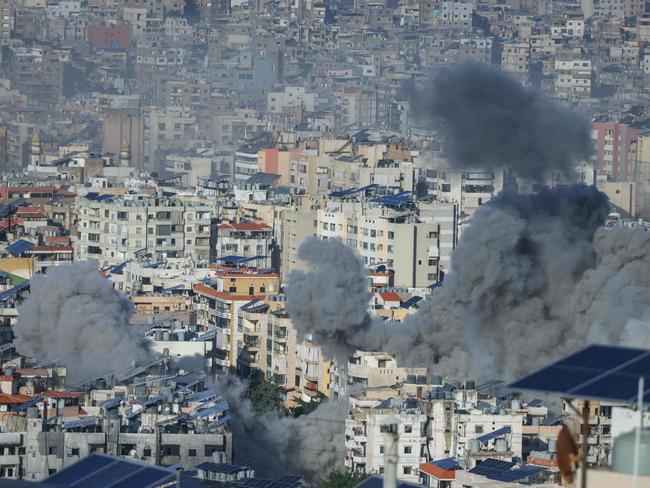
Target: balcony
column 201, row 306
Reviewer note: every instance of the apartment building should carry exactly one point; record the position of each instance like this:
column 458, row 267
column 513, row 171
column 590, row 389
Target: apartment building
column 469, row 189
column 456, row 15
column 368, row 438
column 219, row 304
column 410, row 244
column 599, row 436
column 271, row 347
column 515, row 59
column 573, row 78
column 615, row 149
column 244, row 242
column 117, row 229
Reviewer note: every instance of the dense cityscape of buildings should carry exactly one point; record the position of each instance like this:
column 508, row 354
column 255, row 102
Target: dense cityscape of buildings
column 191, row 146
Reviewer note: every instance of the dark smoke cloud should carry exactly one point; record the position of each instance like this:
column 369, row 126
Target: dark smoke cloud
column 75, row 315
column 310, row 445
column 490, row 121
column 533, row 278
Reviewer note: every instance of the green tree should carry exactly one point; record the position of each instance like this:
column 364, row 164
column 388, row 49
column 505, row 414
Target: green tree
column 305, row 408
column 341, row 479
column 264, row 396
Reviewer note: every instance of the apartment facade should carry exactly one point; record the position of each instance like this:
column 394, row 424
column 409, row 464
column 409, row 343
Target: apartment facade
column 219, row 305
column 114, row 230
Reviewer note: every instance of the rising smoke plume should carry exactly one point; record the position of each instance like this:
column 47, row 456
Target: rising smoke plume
column 75, row 315
column 310, row 445
column 534, row 277
column 491, row 121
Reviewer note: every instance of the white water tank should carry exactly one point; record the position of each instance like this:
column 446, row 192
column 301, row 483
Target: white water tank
column 623, row 453
column 501, row 445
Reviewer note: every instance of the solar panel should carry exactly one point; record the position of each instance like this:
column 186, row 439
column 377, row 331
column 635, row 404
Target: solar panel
column 446, row 464
column 491, row 467
column 147, row 477
column 494, row 434
column 110, row 474
column 517, row 474
column 597, row 372
column 101, row 471
column 80, row 469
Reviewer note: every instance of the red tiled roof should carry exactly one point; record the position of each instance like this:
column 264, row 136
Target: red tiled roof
column 57, row 239
column 206, row 290
column 244, row 226
column 59, row 394
column 33, row 215
column 34, row 209
column 389, row 296
column 6, row 399
column 435, row 471
column 49, row 249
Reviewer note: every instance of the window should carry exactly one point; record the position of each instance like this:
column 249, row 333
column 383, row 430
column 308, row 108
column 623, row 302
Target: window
column 408, row 428
column 209, row 449
column 74, row 451
column 191, row 452
column 406, row 470
column 407, row 449
column 171, row 450
column 381, row 449
column 391, row 234
column 146, row 452
column 52, row 450
column 478, row 429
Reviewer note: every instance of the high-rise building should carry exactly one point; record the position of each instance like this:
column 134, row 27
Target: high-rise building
column 125, row 125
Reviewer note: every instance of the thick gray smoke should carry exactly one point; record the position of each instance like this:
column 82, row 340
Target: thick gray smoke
column 310, row 445
column 490, row 121
column 74, row 314
column 533, row 278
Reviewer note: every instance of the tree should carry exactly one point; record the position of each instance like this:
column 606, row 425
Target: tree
column 305, row 408
column 341, row 479
column 264, row 396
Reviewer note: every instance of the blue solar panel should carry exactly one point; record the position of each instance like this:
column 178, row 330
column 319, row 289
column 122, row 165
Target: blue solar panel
column 19, row 247
column 601, row 358
column 79, row 470
column 147, row 477
column 495, row 434
column 517, row 474
column 446, row 464
column 598, row 372
column 491, row 467
column 110, row 474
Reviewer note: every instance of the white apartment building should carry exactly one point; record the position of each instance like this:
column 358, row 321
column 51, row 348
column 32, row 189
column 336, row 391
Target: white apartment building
column 481, row 435
column 291, row 96
column 515, row 59
column 456, row 15
column 367, row 440
column 399, row 240
column 570, row 28
column 114, row 230
column 573, row 78
column 469, row 189
column 252, row 241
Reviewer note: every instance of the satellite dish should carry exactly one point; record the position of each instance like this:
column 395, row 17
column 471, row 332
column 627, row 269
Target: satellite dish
column 568, row 454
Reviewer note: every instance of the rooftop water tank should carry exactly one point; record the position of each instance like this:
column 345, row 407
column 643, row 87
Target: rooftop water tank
column 501, row 445
column 474, row 446
column 623, row 453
